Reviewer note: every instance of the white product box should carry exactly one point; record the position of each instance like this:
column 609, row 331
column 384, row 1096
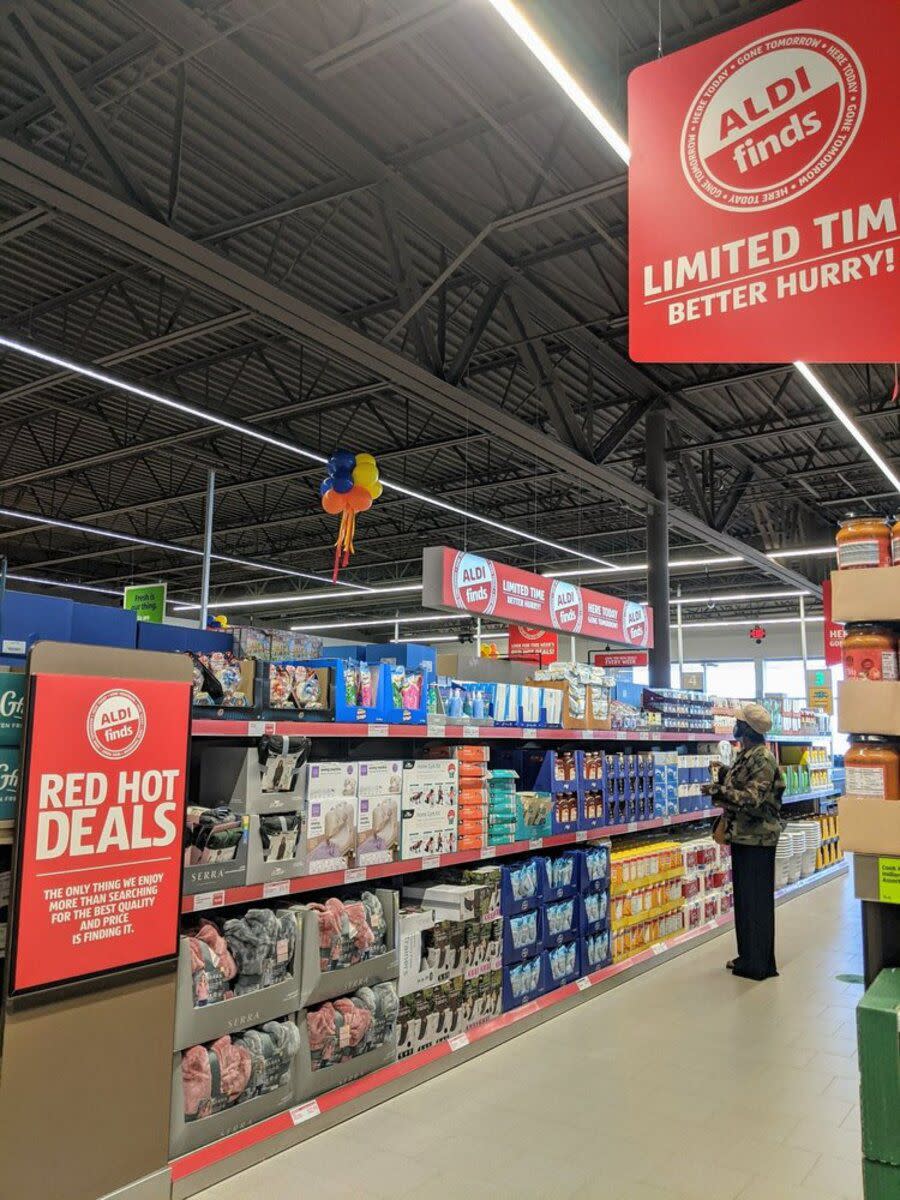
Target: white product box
column 330, row 832
column 380, row 778
column 331, row 779
column 429, row 807
column 413, row 923
column 378, row 829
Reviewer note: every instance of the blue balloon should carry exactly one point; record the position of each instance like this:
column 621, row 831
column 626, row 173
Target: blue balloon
column 341, row 462
column 342, row 484
column 326, row 485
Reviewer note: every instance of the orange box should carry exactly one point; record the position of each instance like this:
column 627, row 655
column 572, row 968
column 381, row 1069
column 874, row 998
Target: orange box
column 470, row 794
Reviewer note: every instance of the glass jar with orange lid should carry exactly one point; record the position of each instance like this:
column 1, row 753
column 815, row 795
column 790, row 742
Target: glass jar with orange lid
column 895, row 540
column 873, row 767
column 863, row 542
column 870, row 652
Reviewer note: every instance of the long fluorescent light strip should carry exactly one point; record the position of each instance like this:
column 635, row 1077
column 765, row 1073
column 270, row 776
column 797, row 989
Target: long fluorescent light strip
column 301, row 597
column 520, row 25
column 363, row 623
column 764, row 621
column 250, row 431
column 730, row 596
column 485, row 637
column 60, row 583
column 133, row 540
column 622, row 568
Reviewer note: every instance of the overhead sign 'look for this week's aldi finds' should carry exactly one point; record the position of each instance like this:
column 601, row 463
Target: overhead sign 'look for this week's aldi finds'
column 764, row 193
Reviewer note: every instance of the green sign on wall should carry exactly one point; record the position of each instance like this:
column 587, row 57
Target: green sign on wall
column 12, row 702
column 147, row 601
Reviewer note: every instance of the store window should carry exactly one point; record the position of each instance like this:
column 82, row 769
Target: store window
column 732, row 679
column 676, row 671
column 787, row 677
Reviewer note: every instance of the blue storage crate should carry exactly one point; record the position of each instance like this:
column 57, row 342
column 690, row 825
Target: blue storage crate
column 524, row 982
column 593, row 874
column 521, row 886
column 523, row 936
column 596, row 951
column 561, row 875
column 593, row 912
column 561, row 921
column 563, row 964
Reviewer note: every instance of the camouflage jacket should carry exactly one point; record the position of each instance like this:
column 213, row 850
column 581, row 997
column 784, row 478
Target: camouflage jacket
column 751, row 798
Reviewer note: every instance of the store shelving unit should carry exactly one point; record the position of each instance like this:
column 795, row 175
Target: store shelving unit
column 202, row 1168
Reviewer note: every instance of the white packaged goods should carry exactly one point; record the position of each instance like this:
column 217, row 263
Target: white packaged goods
column 429, row 807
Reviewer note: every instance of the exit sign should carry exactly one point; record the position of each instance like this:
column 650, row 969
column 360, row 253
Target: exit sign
column 820, row 690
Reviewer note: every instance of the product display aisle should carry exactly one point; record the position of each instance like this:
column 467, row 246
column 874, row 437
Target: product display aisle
column 644, row 1064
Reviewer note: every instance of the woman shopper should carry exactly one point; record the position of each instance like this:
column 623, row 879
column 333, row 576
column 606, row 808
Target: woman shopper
column 750, row 795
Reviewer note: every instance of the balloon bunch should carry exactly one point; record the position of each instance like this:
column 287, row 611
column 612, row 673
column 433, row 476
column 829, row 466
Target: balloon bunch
column 218, row 622
column 350, row 488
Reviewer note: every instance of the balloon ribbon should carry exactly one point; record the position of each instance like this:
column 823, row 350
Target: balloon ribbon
column 343, row 547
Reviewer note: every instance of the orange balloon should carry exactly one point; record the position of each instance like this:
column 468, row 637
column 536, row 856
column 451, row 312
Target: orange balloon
column 358, row 498
column 334, row 503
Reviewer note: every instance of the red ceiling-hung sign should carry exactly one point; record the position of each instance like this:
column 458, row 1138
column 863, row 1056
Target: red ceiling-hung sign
column 530, row 644
column 764, row 200
column 834, row 631
column 460, row 581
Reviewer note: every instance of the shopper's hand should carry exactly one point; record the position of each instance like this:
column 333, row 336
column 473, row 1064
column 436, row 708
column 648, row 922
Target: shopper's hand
column 706, row 789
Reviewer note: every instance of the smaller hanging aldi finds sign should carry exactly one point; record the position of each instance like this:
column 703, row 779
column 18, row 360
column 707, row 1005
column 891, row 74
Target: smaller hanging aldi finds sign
column 764, row 196
column 100, row 853
column 528, row 643
column 459, row 581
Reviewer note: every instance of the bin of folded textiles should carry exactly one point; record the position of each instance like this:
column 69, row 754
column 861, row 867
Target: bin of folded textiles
column 593, row 874
column 561, row 875
column 521, row 886
column 225, row 1085
column 347, row 944
column 223, row 682
column 524, row 981
column 345, row 1038
column 561, row 922
column 563, row 964
column 235, row 973
column 267, row 777
column 276, row 847
column 523, row 936
column 596, row 951
column 215, row 849
column 593, row 912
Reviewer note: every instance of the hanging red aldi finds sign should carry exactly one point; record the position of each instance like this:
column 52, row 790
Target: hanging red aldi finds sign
column 764, row 199
column 464, row 582
column 529, row 643
column 101, row 846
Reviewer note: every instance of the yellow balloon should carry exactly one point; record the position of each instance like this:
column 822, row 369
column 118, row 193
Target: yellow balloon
column 365, row 474
column 374, row 489
column 365, row 458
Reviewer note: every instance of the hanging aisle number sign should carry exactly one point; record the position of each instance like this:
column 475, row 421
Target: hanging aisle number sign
column 764, row 195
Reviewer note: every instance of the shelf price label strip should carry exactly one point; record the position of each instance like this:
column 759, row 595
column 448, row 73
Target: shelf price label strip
column 207, row 1156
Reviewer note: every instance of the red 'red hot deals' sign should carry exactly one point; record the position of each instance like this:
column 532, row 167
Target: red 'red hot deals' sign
column 464, row 582
column 531, row 644
column 764, row 193
column 101, row 853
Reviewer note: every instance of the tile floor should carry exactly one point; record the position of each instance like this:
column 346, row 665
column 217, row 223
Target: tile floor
column 683, row 1084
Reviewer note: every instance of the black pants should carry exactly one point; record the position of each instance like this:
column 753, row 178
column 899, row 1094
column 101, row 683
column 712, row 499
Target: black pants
column 754, row 910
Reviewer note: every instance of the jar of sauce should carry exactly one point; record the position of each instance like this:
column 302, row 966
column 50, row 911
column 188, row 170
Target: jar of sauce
column 863, row 542
column 870, row 652
column 895, row 541
column 873, row 767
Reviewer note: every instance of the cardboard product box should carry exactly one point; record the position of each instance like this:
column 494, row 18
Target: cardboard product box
column 12, row 704
column 869, row 706
column 415, row 1024
column 233, row 776
column 377, row 830
column 451, row 901
column 297, row 688
column 866, row 595
column 9, row 782
column 533, row 815
column 523, row 935
column 869, row 825
column 563, row 963
column 276, row 847
column 561, row 922
column 571, row 710
column 317, row 984
column 524, row 981
column 877, row 1016
column 331, row 824
column 210, row 870
column 483, row 950
column 332, row 779
column 415, row 972
column 429, row 807
column 881, row 1181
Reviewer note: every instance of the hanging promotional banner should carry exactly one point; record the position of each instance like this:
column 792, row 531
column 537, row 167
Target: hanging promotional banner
column 459, row 581
column 618, row 660
column 147, row 601
column 530, row 644
column 834, row 631
column 100, row 856
column 764, row 200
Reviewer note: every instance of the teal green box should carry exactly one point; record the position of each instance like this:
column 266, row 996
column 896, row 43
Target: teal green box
column 12, row 703
column 9, row 781
column 879, row 1067
column 881, row 1181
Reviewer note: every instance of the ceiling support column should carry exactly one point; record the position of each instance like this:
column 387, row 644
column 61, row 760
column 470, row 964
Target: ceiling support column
column 658, row 547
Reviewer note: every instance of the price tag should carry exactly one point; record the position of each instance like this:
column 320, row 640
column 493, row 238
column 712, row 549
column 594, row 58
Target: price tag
column 305, row 1112
column 711, row 925
column 471, row 731
column 659, row 948
column 378, row 731
column 583, row 983
column 489, row 852
column 355, row 875
column 431, row 863
column 256, row 728
column 631, row 827
column 434, row 728
column 529, row 732
column 535, row 843
column 587, row 734
column 458, row 1041
column 580, row 835
column 621, row 735
column 281, row 887
column 208, row 900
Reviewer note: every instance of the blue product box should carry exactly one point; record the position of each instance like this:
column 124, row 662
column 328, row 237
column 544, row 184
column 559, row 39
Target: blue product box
column 592, row 810
column 521, row 886
column 404, row 654
column 524, row 981
column 593, row 874
column 180, row 639
column 561, row 922
column 523, row 936
column 563, row 964
column 561, row 875
column 365, row 681
column 616, row 790
column 405, row 693
column 533, row 815
column 596, row 951
column 593, row 912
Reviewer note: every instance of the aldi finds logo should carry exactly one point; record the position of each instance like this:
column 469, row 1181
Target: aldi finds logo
column 772, row 121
